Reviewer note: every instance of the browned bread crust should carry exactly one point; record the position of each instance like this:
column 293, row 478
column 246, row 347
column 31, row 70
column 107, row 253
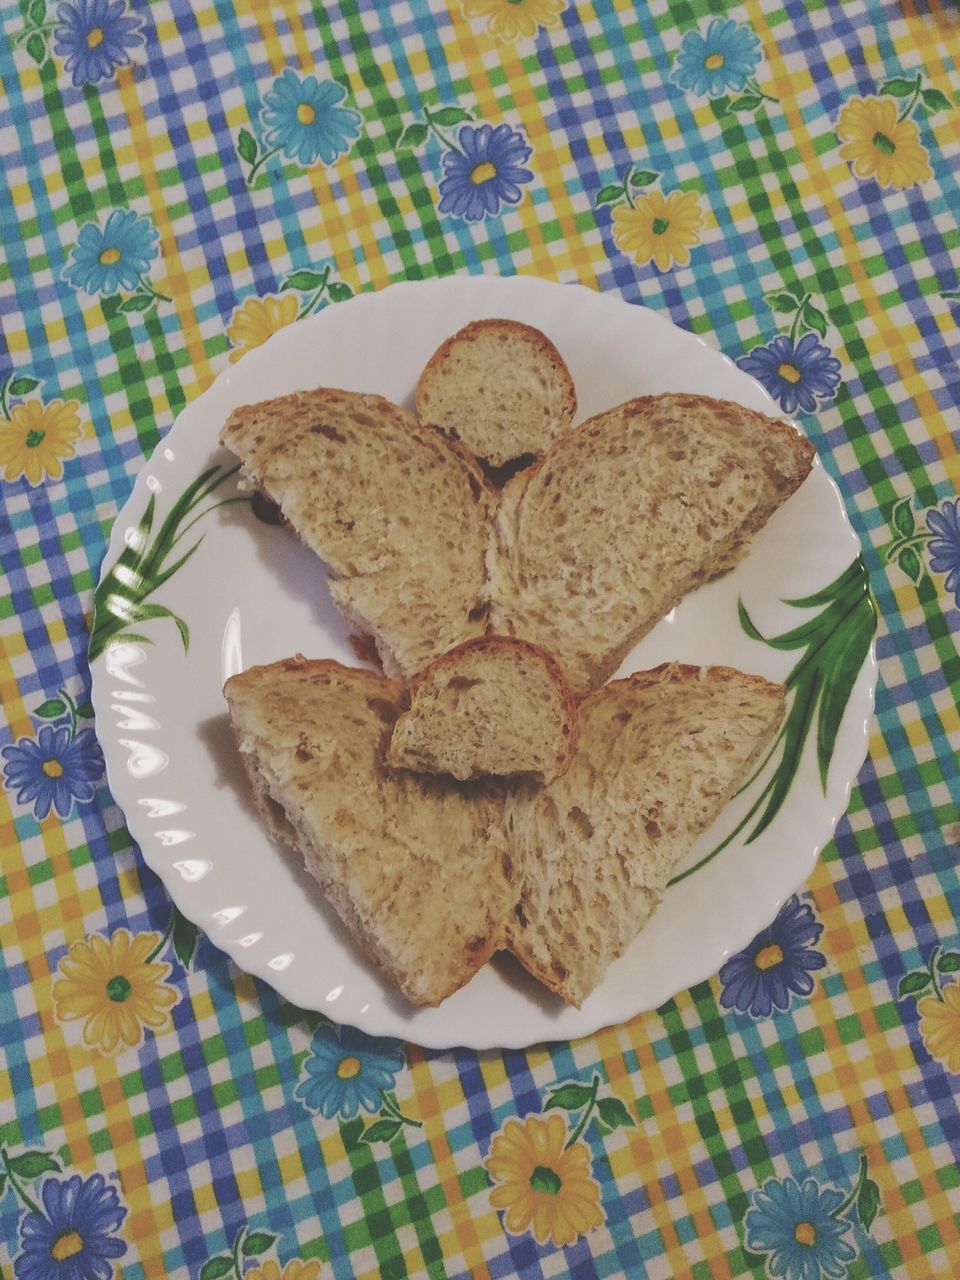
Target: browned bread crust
column 493, row 705
column 499, row 386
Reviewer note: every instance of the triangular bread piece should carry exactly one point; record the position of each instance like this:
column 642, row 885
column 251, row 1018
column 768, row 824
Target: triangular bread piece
column 660, row 754
column 410, row 863
column 626, row 514
column 499, row 387
column 492, row 706
column 399, row 513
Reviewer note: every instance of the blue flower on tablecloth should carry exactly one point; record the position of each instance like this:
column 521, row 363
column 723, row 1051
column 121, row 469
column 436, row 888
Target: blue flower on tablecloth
column 55, row 769
column 73, row 1238
column 719, row 61
column 485, row 171
column 95, row 36
column 944, row 549
column 115, row 258
column 301, row 118
column 796, row 1227
column 777, row 963
column 347, row 1071
column 797, row 374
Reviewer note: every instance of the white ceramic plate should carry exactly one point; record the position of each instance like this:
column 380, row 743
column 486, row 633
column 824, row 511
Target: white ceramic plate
column 251, row 594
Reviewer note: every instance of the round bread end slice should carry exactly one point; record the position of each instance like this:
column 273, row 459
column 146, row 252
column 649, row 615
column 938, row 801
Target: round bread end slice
column 492, row 706
column 499, row 387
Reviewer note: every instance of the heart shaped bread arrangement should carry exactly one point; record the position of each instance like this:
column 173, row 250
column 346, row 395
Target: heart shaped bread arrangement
column 493, row 789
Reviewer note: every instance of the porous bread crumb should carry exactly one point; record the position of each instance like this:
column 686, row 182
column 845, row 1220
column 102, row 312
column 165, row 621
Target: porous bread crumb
column 499, row 387
column 494, row 705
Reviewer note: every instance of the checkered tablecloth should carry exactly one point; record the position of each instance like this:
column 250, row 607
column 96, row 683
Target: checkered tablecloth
column 180, row 180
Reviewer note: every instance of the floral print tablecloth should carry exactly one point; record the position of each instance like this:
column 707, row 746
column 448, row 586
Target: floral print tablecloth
column 180, row 181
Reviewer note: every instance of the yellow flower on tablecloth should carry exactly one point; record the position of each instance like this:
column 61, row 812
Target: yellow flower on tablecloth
column 113, row 986
column 257, row 319
column 543, row 1186
column 509, row 20
column 295, row 1270
column 36, row 439
column 940, row 1026
column 878, row 145
column 658, row 227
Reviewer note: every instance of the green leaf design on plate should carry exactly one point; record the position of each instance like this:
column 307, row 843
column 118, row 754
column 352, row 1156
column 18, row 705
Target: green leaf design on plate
column 144, row 566
column 609, row 195
column 186, row 938
column 384, row 1130
column 85, row 711
column 216, row 1268
column 339, row 292
column 247, row 146
column 835, row 644
column 910, row 563
column 614, row 1114
column 899, row 87
column 37, row 11
column 31, row 1164
column 51, row 709
column 868, row 1202
column 948, row 962
column 257, row 1242
column 571, row 1096
column 934, row 101
column 913, row 983
column 23, row 385
column 413, row 137
column 903, row 520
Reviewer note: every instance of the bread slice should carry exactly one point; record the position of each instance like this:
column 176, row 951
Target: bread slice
column 410, row 863
column 628, row 513
column 400, row 514
column 499, row 387
column 493, row 705
column 660, row 754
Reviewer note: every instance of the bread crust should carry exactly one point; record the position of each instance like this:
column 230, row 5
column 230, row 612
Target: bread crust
column 542, row 351
column 799, row 446
column 589, row 608
column 648, row 852
column 468, row 942
column 493, row 644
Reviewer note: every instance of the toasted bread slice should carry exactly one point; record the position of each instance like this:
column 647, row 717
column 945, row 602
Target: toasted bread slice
column 499, row 387
column 660, row 754
column 410, row 863
column 494, row 705
column 399, row 513
column 628, row 513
